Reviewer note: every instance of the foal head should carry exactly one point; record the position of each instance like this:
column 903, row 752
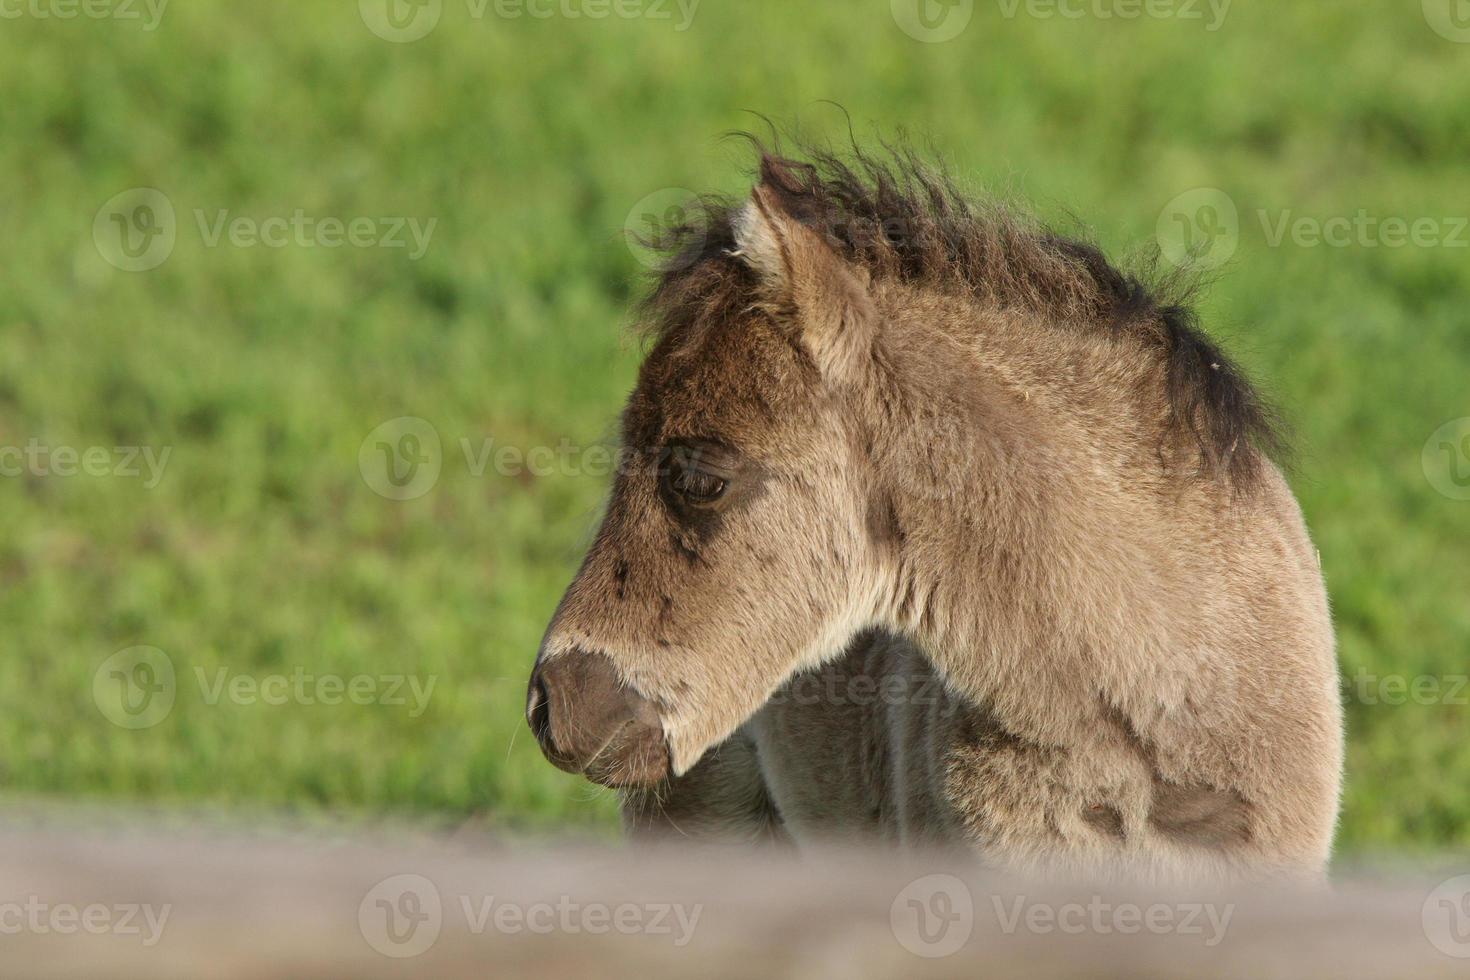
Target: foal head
column 733, row 550
column 750, row 531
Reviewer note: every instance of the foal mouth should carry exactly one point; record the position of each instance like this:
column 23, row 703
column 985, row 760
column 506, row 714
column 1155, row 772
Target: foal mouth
column 587, row 722
column 635, row 756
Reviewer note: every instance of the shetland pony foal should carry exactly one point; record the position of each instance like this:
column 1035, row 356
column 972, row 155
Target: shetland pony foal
column 935, row 528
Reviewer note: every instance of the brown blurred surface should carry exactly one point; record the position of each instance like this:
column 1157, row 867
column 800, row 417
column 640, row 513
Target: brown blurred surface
column 201, row 902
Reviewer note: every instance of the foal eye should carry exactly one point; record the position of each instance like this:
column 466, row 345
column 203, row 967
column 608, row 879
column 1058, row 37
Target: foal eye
column 692, row 480
column 697, row 485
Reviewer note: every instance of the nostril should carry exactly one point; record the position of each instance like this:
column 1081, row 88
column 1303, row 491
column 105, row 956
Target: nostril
column 538, row 713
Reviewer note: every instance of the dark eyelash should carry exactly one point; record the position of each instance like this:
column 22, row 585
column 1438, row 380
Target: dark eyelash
column 688, row 480
column 698, row 484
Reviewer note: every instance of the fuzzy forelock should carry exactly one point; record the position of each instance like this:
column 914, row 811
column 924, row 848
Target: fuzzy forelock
column 904, row 219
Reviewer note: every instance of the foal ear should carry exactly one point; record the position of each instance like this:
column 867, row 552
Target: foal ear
column 835, row 312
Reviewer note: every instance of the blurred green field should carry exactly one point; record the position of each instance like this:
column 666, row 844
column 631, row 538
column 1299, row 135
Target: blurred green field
column 262, row 551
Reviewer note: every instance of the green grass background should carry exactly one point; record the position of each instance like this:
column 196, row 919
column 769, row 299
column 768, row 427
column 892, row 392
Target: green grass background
column 263, row 551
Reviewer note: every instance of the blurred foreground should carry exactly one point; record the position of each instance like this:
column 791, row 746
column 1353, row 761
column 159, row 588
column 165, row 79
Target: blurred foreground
column 207, row 903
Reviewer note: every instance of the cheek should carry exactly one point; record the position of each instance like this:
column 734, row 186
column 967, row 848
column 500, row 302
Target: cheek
column 786, row 552
column 781, row 550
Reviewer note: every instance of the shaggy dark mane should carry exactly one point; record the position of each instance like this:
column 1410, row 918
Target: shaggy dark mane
column 903, row 219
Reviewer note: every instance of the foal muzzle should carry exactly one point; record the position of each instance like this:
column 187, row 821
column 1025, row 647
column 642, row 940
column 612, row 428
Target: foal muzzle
column 587, row 721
